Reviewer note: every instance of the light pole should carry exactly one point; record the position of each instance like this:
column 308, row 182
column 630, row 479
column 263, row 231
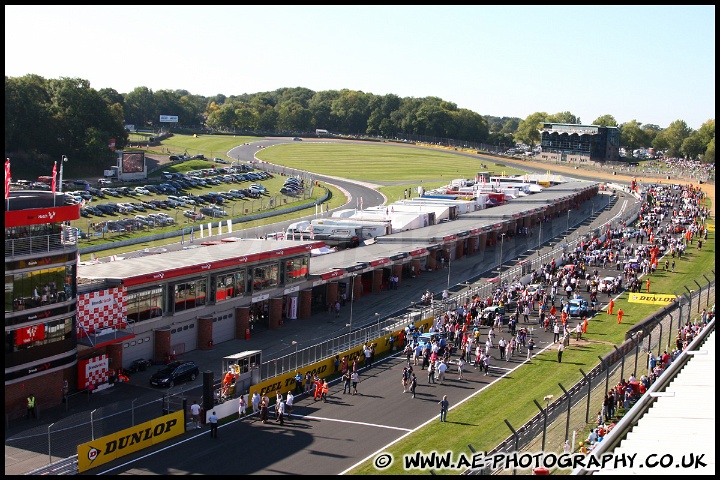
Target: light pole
column 377, row 317
column 62, row 161
column 92, row 425
column 502, row 238
column 568, row 220
column 448, row 280
column 352, row 297
column 296, row 347
column 540, row 237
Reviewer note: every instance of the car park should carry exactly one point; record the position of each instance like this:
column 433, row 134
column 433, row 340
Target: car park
column 174, row 373
column 146, row 221
column 138, row 207
column 142, row 190
column 194, row 215
column 110, row 191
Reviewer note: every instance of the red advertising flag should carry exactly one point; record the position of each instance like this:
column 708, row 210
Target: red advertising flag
column 7, row 178
column 54, row 174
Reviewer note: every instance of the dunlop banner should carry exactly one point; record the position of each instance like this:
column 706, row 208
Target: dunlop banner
column 657, row 299
column 108, row 448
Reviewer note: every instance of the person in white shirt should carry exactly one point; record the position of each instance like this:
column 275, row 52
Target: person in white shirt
column 195, row 412
column 289, row 403
column 280, row 412
column 441, row 369
column 255, row 402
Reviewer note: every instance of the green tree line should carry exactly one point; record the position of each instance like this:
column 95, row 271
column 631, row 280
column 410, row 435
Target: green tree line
column 47, row 118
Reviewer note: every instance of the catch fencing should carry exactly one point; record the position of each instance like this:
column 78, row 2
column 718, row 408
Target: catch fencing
column 570, row 416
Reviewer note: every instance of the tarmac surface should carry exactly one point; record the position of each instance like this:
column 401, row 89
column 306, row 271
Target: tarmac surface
column 38, row 445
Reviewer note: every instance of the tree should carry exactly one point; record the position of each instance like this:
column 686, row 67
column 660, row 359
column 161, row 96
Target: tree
column 632, row 136
column 563, row 117
column 605, row 121
column 672, row 138
column 693, row 146
column 529, row 129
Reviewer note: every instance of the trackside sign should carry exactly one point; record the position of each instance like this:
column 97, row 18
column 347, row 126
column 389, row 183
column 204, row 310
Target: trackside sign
column 108, row 448
column 657, row 299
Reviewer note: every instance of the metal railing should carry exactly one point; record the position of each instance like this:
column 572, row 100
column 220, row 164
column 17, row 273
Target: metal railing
column 40, row 244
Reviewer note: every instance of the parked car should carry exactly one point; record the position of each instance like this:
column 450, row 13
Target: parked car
column 578, row 307
column 139, row 365
column 192, row 214
column 174, row 373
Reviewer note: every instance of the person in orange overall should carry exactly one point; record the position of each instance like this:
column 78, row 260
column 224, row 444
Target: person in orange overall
column 647, row 285
column 610, row 306
column 620, row 315
column 325, row 390
column 584, row 325
column 318, row 389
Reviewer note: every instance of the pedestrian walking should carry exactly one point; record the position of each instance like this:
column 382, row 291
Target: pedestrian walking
column 325, row 390
column 298, row 384
column 647, row 284
column 442, row 368
column 431, row 372
column 461, row 367
column 337, row 309
column 486, row 364
column 560, row 350
column 255, row 402
column 530, row 347
column 413, row 384
column 242, row 406
column 346, row 382
column 213, row 419
column 280, row 412
column 620, row 315
column 610, row 306
column 263, row 412
column 444, row 406
column 354, row 378
column 195, row 413
column 289, row 403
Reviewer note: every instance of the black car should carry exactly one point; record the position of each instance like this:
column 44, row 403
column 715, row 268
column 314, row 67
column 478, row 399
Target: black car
column 139, row 365
column 174, row 373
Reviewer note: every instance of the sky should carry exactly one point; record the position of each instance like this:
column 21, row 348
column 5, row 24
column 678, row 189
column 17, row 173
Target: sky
column 652, row 64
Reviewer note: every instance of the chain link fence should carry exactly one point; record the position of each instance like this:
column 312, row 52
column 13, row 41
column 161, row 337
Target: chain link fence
column 570, row 416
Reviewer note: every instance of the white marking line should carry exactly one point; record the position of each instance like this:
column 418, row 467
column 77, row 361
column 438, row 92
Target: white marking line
column 354, row 423
column 434, row 418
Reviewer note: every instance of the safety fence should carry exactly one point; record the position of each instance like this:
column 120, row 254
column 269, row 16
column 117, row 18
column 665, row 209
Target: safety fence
column 570, row 416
